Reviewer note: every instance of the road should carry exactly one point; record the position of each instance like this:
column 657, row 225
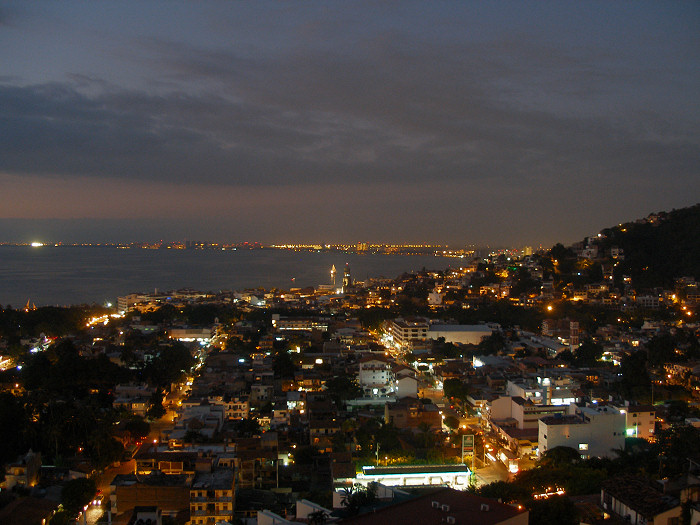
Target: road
column 94, row 513
column 485, row 472
column 494, row 471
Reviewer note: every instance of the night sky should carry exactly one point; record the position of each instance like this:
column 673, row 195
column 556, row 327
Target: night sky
column 456, row 122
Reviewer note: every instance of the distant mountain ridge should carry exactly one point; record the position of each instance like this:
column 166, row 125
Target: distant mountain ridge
column 657, row 249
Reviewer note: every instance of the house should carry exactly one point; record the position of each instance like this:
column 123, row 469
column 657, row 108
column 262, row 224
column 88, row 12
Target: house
column 637, row 502
column 407, row 387
column 28, row 511
column 459, row 333
column 640, row 420
column 256, row 461
column 146, row 516
column 516, row 420
column 24, row 472
column 564, row 330
column 235, row 407
column 376, row 376
column 169, row 492
column 444, row 506
column 322, row 430
column 525, row 413
column 149, row 459
column 410, row 412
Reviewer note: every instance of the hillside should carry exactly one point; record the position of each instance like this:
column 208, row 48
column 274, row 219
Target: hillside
column 659, row 248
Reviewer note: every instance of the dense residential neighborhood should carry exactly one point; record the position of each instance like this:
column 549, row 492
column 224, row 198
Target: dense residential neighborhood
column 559, row 386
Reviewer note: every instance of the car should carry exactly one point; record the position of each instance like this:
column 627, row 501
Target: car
column 99, row 497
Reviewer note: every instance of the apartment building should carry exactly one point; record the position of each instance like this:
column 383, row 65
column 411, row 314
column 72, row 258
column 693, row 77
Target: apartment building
column 406, row 332
column 593, row 431
column 212, row 497
column 376, row 376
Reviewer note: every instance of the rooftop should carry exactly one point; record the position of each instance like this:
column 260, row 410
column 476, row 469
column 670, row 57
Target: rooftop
column 460, row 328
column 417, row 469
column 639, row 495
column 221, row 479
column 26, row 510
column 435, row 507
column 156, row 479
column 559, row 419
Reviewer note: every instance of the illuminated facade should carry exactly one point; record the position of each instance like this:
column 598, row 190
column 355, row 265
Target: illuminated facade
column 455, row 476
column 594, row 432
column 347, row 278
column 212, row 497
column 24, row 472
column 376, row 377
column 640, row 420
column 406, row 332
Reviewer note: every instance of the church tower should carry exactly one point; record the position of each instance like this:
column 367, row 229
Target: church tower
column 347, row 280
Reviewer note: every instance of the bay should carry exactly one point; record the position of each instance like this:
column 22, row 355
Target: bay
column 63, row 275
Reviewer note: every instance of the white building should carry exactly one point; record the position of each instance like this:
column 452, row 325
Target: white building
column 455, row 475
column 306, row 324
column 191, row 334
column 547, row 391
column 460, row 333
column 406, row 387
column 640, row 420
column 523, row 413
column 406, row 332
column 435, row 298
column 376, row 377
column 635, row 501
column 593, row 431
column 234, row 407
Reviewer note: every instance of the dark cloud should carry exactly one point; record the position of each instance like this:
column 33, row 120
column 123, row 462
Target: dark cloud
column 6, row 16
column 567, row 108
column 386, row 112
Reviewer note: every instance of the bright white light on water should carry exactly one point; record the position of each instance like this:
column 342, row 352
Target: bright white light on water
column 37, row 244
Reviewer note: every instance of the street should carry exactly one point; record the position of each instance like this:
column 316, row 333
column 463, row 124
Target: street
column 94, row 512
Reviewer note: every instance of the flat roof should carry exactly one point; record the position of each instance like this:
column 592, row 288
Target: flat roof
column 562, row 420
column 460, row 328
column 221, row 479
column 415, row 469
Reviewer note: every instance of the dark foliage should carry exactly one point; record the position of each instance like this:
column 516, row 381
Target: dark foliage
column 657, row 252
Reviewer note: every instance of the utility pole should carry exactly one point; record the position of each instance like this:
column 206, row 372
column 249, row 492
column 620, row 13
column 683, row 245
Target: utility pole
column 377, row 453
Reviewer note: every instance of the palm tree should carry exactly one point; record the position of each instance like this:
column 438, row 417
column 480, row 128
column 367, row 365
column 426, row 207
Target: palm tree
column 318, row 517
column 425, row 434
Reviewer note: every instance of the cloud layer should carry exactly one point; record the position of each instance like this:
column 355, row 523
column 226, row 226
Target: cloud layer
column 458, row 120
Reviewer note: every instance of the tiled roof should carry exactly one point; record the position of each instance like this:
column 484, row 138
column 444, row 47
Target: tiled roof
column 436, row 507
column 29, row 511
column 636, row 493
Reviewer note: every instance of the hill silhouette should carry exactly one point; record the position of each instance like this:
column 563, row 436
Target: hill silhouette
column 658, row 249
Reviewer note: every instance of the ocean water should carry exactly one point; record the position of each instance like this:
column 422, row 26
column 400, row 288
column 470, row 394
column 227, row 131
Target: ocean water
column 64, row 275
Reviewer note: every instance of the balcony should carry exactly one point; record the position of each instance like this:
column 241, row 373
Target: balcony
column 212, row 513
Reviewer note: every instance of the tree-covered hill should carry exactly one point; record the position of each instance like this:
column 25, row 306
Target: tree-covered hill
column 658, row 249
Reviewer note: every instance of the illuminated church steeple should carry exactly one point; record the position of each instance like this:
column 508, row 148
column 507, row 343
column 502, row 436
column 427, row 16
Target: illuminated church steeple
column 347, row 280
column 333, row 275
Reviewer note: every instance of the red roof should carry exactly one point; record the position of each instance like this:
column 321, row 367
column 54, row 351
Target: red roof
column 29, row 511
column 434, row 509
